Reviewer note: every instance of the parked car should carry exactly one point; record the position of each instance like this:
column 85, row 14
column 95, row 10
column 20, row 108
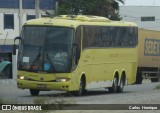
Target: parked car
column 5, row 70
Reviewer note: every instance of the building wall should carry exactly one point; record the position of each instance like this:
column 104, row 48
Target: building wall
column 12, row 33
column 27, row 4
column 12, row 6
column 9, row 33
column 134, row 14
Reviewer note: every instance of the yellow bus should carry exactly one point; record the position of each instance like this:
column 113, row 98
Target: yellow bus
column 75, row 53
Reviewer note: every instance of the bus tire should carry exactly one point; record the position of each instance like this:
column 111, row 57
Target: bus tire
column 34, row 92
column 114, row 87
column 139, row 78
column 121, row 85
column 81, row 87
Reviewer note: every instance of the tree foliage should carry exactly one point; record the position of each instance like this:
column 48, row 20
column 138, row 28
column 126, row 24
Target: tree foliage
column 106, row 8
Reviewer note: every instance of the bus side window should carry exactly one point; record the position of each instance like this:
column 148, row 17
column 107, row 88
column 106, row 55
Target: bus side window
column 78, row 36
column 76, row 47
column 133, row 36
column 86, row 37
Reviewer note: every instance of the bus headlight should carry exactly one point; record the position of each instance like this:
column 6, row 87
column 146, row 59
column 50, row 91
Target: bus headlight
column 22, row 78
column 62, row 79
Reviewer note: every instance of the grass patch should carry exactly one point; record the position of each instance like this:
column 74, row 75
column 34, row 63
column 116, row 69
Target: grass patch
column 53, row 104
column 1, row 101
column 38, row 100
column 48, row 103
column 11, row 101
column 157, row 87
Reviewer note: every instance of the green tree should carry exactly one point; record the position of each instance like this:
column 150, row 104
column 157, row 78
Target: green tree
column 106, row 8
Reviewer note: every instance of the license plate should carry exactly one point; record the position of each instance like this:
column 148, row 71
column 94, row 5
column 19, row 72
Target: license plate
column 42, row 86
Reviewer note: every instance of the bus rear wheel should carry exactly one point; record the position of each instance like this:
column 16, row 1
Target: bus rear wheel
column 34, row 92
column 114, row 87
column 121, row 85
column 139, row 78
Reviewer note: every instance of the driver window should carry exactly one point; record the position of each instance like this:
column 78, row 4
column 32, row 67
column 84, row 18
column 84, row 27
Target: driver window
column 76, row 46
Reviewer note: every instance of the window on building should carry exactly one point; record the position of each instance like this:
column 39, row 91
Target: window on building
column 44, row 15
column 149, row 18
column 29, row 17
column 8, row 21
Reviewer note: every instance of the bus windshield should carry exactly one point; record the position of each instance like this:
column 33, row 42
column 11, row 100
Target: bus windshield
column 46, row 49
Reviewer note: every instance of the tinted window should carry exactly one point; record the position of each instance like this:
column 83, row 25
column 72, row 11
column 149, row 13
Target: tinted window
column 8, row 21
column 76, row 48
column 78, row 36
column 45, row 48
column 94, row 36
column 29, row 17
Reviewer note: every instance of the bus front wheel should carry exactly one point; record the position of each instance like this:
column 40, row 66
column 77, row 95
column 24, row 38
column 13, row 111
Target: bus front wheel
column 114, row 87
column 34, row 92
column 81, row 87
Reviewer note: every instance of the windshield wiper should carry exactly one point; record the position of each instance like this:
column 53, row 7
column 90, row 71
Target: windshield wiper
column 36, row 60
column 50, row 61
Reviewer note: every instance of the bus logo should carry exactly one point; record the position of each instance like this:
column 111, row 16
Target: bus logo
column 6, row 107
column 152, row 47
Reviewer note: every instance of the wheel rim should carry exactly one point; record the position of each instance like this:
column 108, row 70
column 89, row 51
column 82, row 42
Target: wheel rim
column 115, row 84
column 80, row 87
column 122, row 84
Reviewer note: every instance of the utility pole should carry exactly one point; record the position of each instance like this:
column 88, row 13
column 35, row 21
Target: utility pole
column 20, row 16
column 37, row 8
column 56, row 7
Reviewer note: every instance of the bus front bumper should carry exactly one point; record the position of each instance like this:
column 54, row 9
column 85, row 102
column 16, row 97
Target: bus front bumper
column 26, row 84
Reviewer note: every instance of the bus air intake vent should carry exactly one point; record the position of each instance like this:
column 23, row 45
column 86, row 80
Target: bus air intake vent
column 83, row 18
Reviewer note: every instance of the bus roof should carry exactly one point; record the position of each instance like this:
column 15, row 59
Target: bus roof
column 76, row 20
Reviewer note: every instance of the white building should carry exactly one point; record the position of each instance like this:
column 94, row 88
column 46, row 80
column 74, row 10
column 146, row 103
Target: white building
column 147, row 17
column 9, row 21
column 9, row 15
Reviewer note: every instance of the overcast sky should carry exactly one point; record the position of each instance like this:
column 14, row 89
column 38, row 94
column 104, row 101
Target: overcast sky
column 141, row 3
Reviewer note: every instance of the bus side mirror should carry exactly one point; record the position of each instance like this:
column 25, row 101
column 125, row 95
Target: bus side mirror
column 14, row 45
column 17, row 38
column 14, row 49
